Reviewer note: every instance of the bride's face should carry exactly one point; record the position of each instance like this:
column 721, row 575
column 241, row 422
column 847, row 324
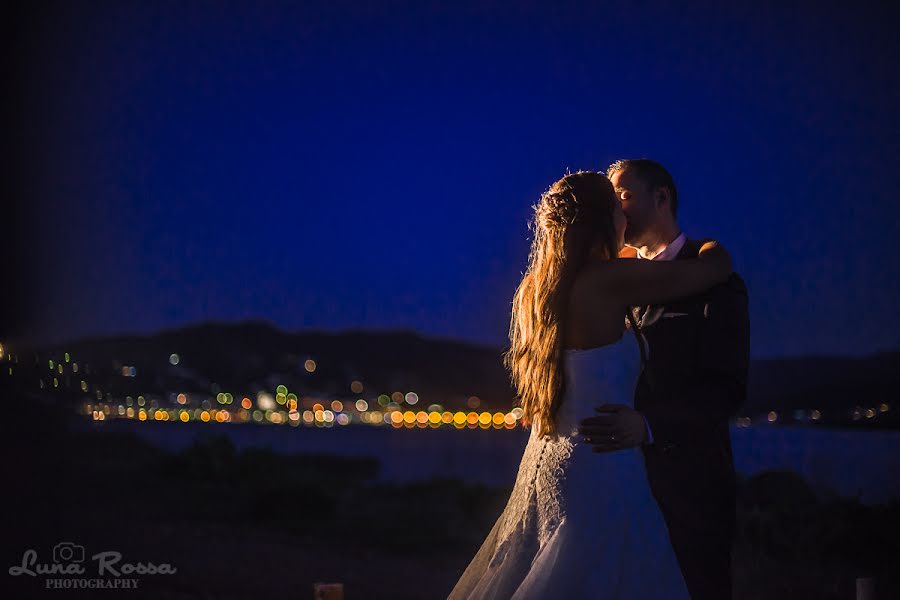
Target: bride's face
column 598, row 250
column 620, row 222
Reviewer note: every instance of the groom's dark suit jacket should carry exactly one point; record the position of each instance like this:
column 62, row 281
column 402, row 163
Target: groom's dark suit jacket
column 693, row 382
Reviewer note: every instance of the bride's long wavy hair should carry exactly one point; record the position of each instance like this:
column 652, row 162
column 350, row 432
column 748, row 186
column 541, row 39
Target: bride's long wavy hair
column 573, row 215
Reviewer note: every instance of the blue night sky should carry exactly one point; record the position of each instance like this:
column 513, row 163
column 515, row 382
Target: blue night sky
column 341, row 165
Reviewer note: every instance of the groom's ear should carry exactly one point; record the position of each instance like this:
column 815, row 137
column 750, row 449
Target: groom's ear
column 662, row 196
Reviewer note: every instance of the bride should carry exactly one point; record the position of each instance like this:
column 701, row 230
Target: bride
column 581, row 524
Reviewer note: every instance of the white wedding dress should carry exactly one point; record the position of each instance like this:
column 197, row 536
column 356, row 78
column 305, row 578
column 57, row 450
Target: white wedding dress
column 579, row 524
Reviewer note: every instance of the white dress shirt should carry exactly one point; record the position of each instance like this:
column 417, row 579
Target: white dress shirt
column 668, row 252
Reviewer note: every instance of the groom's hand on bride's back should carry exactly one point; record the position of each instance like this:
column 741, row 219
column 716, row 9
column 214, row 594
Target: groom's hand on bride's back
column 615, row 427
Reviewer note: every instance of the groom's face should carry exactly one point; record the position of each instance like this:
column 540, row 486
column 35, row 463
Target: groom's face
column 638, row 204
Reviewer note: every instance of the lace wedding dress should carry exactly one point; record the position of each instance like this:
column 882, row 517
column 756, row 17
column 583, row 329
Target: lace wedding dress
column 579, row 524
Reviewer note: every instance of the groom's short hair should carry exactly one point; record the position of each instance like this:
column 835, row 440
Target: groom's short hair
column 653, row 174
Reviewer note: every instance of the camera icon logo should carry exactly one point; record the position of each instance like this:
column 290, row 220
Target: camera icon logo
column 68, row 552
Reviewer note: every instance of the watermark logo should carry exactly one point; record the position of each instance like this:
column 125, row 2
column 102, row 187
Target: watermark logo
column 68, row 552
column 70, row 569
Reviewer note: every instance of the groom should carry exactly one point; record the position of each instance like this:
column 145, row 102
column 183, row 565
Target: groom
column 695, row 355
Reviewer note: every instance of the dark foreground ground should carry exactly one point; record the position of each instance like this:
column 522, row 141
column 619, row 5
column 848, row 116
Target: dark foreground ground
column 261, row 525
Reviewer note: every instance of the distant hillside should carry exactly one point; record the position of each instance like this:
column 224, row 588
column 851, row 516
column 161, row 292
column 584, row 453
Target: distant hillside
column 245, row 357
column 824, row 382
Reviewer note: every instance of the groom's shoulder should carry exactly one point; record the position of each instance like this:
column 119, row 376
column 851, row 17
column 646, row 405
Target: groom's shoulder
column 691, row 248
column 735, row 283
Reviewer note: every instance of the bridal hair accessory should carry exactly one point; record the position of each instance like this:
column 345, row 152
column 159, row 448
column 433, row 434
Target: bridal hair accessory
column 558, row 209
column 561, row 207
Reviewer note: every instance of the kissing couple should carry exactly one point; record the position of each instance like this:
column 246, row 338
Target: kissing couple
column 629, row 351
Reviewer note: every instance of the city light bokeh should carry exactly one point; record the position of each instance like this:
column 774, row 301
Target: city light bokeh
column 65, row 375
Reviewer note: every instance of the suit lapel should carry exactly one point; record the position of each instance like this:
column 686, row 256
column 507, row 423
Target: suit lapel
column 638, row 313
column 687, row 250
column 652, row 315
